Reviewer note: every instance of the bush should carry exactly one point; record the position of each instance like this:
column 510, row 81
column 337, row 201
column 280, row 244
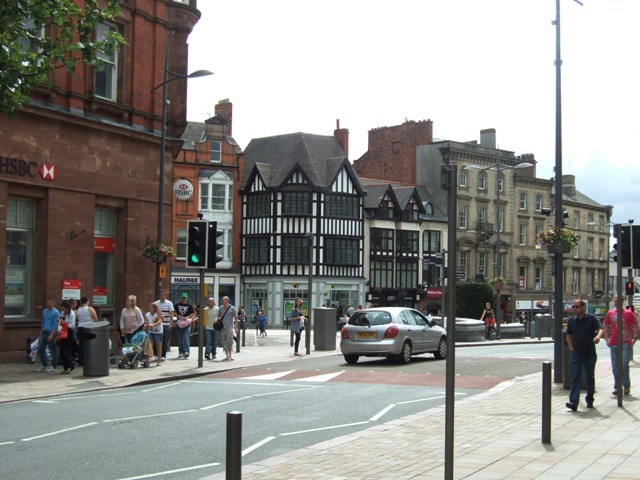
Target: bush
column 471, row 298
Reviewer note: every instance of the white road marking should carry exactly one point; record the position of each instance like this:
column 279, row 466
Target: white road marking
column 284, row 391
column 319, row 378
column 225, row 403
column 7, row 443
column 324, row 428
column 58, row 432
column 171, row 472
column 382, row 412
column 269, row 376
column 250, row 449
column 44, row 401
column 138, row 417
column 161, row 386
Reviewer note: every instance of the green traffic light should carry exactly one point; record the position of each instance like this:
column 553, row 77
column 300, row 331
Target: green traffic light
column 195, row 258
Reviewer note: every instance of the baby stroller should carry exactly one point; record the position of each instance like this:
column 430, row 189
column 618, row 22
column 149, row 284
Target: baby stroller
column 133, row 353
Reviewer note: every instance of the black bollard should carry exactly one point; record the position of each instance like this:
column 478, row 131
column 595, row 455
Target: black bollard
column 234, row 446
column 546, row 402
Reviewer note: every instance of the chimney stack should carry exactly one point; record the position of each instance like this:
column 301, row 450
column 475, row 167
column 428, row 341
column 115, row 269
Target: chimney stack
column 488, row 138
column 342, row 135
column 224, row 108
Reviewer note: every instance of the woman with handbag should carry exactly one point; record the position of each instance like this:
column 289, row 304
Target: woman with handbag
column 66, row 340
column 297, row 324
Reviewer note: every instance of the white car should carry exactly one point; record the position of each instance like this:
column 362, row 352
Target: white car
column 393, row 332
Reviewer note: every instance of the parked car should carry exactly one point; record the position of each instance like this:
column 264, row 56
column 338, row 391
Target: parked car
column 393, row 332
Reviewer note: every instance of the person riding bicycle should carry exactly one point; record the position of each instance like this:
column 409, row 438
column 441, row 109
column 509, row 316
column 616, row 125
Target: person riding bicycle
column 489, row 319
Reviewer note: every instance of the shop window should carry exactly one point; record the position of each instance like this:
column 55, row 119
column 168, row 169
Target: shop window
column 18, row 289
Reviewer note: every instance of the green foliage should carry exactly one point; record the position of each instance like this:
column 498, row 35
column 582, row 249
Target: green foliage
column 471, row 298
column 38, row 36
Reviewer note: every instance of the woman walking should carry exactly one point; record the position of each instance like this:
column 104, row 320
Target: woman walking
column 154, row 321
column 297, row 324
column 131, row 321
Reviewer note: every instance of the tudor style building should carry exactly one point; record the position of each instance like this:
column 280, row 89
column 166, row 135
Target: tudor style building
column 302, row 218
column 80, row 173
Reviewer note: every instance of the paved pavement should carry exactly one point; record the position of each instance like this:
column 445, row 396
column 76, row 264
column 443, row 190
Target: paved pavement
column 497, row 433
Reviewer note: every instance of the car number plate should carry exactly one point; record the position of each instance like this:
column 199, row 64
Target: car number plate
column 366, row 335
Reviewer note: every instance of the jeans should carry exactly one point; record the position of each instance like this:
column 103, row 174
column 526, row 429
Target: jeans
column 210, row 341
column 166, row 340
column 626, row 356
column 184, row 336
column 43, row 341
column 576, row 362
column 296, row 342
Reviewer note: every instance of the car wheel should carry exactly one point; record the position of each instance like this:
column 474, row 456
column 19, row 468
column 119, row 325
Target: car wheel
column 441, row 352
column 351, row 359
column 405, row 354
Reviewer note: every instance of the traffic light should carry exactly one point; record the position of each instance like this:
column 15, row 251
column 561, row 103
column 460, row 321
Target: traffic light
column 622, row 247
column 213, row 257
column 197, row 244
column 628, row 288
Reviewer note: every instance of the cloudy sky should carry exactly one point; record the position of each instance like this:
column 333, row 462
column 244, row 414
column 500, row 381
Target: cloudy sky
column 299, row 65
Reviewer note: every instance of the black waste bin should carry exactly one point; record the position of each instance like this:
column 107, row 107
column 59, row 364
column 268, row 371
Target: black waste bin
column 96, row 349
column 566, row 369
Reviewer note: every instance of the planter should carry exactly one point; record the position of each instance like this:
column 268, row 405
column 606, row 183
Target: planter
column 558, row 247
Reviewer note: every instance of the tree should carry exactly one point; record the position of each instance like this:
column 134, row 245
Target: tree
column 39, row 36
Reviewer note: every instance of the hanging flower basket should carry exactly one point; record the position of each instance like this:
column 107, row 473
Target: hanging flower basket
column 498, row 282
column 558, row 239
column 158, row 252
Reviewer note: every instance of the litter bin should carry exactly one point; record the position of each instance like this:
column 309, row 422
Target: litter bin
column 566, row 370
column 324, row 328
column 96, row 349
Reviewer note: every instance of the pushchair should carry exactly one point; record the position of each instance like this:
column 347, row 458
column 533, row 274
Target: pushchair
column 133, row 353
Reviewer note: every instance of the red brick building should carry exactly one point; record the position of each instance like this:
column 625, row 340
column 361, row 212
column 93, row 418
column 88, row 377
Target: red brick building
column 212, row 162
column 79, row 174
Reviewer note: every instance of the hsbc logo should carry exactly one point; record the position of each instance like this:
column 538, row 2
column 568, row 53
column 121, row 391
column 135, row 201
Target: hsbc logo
column 22, row 168
column 47, row 171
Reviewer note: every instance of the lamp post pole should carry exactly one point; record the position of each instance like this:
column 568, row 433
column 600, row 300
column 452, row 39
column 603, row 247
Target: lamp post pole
column 163, row 146
column 498, row 252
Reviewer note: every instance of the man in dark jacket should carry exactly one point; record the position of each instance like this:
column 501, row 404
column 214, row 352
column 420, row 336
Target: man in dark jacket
column 583, row 333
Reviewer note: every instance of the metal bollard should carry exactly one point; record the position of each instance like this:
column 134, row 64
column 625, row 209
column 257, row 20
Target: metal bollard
column 234, row 446
column 546, row 402
column 243, row 325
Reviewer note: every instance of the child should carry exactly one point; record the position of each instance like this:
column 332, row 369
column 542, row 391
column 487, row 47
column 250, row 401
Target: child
column 262, row 323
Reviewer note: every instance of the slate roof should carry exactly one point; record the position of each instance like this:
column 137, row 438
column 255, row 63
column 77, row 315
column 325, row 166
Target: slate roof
column 320, row 157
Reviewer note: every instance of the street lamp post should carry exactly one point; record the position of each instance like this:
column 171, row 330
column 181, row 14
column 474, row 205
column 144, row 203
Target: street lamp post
column 169, row 77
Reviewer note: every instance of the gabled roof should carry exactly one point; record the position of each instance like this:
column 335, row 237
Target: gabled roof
column 320, row 158
column 193, row 134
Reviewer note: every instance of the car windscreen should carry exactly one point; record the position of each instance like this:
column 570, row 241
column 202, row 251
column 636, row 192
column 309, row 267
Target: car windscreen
column 370, row 319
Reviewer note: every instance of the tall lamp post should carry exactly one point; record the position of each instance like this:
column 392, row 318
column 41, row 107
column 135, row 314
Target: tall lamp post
column 499, row 167
column 558, row 303
column 169, row 77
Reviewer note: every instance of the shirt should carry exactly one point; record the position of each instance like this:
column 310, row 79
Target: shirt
column 582, row 332
column 210, row 316
column 50, row 319
column 628, row 321
column 228, row 318
column 166, row 308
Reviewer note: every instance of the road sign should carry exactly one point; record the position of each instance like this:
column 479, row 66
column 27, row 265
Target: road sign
column 460, row 273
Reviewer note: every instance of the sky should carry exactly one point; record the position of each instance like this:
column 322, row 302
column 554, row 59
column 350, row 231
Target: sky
column 299, row 65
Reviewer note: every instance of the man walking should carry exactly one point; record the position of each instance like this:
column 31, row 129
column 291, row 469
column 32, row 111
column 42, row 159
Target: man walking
column 48, row 334
column 629, row 337
column 210, row 316
column 166, row 307
column 228, row 315
column 185, row 312
column 583, row 333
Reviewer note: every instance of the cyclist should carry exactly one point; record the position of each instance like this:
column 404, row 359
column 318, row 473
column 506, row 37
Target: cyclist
column 489, row 320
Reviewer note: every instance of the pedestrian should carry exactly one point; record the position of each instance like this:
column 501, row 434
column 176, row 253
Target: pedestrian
column 131, row 319
column 350, row 310
column 85, row 315
column 185, row 313
column 489, row 319
column 297, row 325
column 262, row 323
column 166, row 307
column 629, row 337
column 583, row 333
column 47, row 338
column 211, row 336
column 153, row 322
column 525, row 321
column 67, row 344
column 228, row 315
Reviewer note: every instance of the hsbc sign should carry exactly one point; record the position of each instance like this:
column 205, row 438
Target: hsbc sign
column 22, row 168
column 183, row 189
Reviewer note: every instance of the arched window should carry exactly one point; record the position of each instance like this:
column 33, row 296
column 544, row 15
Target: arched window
column 463, row 177
column 482, row 181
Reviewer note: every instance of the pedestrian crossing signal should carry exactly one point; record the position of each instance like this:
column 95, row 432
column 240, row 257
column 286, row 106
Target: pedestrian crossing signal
column 197, row 244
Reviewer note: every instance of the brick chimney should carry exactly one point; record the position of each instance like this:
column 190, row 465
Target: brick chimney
column 342, row 135
column 224, row 108
column 488, row 138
